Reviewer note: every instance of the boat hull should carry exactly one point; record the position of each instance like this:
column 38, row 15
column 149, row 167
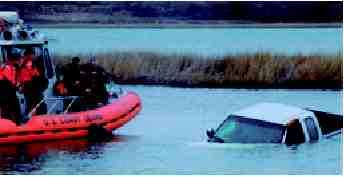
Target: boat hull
column 71, row 125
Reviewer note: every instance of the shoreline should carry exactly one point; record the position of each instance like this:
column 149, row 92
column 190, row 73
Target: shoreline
column 189, row 25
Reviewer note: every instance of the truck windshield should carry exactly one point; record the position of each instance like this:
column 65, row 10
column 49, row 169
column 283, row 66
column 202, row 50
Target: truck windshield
column 237, row 129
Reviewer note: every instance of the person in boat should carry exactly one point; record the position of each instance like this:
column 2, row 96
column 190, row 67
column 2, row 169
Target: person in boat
column 33, row 82
column 9, row 85
column 71, row 76
column 68, row 83
column 93, row 80
column 59, row 88
column 86, row 81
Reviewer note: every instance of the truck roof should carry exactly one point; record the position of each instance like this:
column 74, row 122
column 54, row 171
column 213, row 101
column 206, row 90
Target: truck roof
column 272, row 112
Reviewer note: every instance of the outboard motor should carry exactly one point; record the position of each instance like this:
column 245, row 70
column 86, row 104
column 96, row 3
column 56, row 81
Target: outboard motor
column 97, row 133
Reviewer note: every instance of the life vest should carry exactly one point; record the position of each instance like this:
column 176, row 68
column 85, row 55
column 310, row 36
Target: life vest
column 1, row 75
column 27, row 72
column 9, row 72
column 61, row 89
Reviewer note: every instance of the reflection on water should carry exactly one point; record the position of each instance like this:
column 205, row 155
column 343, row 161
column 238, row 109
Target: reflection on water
column 27, row 158
column 168, row 137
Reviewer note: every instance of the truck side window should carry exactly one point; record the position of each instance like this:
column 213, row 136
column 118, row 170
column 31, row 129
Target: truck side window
column 328, row 122
column 295, row 133
column 311, row 129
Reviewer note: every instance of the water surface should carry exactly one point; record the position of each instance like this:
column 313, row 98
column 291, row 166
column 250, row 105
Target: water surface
column 199, row 41
column 168, row 137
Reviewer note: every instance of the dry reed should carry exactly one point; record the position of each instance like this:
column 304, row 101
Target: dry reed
column 258, row 70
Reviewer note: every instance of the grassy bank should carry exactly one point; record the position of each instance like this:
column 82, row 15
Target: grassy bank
column 259, row 70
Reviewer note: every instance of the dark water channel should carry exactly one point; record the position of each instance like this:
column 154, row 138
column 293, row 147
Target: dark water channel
column 168, row 137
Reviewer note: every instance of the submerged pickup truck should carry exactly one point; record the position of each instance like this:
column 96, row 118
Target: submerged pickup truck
column 276, row 123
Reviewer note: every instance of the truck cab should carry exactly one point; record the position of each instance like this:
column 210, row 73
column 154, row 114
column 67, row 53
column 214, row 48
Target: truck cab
column 276, row 123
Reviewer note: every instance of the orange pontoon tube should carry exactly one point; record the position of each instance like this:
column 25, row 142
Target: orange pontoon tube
column 71, row 125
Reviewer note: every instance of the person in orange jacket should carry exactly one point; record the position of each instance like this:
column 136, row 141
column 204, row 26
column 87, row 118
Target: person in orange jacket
column 33, row 82
column 9, row 103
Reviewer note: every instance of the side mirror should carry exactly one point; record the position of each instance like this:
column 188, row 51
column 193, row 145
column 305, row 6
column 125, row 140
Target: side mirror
column 211, row 133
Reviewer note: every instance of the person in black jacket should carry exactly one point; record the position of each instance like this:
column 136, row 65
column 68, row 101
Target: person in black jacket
column 84, row 80
column 71, row 76
column 93, row 80
column 69, row 84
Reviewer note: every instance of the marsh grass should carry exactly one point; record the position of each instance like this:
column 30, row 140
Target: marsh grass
column 258, row 70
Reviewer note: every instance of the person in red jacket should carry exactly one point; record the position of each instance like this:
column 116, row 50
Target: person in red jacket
column 33, row 82
column 27, row 69
column 9, row 103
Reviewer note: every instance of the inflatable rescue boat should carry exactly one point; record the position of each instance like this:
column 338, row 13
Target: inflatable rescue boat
column 57, row 123
column 71, row 125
